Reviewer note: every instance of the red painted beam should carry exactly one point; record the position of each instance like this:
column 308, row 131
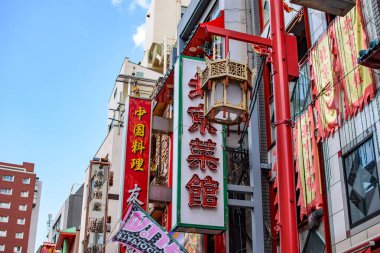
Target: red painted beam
column 239, row 36
column 286, row 185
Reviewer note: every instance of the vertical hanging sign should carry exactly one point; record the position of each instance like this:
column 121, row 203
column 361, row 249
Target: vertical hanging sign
column 199, row 188
column 137, row 147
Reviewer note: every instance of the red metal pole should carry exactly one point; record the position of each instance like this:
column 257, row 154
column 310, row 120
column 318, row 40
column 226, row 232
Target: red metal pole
column 286, row 174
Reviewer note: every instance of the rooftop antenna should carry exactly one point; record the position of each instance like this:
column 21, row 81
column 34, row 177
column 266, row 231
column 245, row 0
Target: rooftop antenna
column 49, row 221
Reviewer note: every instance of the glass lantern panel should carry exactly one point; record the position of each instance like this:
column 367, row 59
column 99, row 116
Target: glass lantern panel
column 234, row 93
column 208, row 100
column 219, row 93
column 231, row 116
column 217, row 47
column 219, row 115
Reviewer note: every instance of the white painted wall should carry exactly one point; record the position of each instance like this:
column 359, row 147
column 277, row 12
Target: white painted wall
column 335, row 180
column 84, row 210
column 34, row 220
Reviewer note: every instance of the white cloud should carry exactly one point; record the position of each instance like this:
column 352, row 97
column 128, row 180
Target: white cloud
column 139, row 36
column 116, row 2
column 137, row 3
column 133, row 3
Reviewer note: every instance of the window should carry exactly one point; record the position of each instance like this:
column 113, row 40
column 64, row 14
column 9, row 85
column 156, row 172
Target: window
column 214, row 12
column 17, row 249
column 298, row 29
column 26, row 180
column 4, row 219
column 183, row 10
column 5, row 205
column 8, row 178
column 265, row 11
column 21, row 221
column 19, row 235
column 114, row 94
column 25, row 194
column 139, row 74
column 2, row 247
column 22, row 207
column 301, row 96
column 3, row 233
column 6, row 191
column 314, row 243
column 362, row 183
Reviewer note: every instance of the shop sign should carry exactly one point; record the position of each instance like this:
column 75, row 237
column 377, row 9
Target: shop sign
column 199, row 188
column 136, row 153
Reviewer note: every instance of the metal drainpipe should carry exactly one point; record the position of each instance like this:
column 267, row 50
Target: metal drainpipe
column 286, row 188
column 258, row 236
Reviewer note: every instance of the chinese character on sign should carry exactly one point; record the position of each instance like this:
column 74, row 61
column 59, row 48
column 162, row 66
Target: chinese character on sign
column 139, row 130
column 202, row 155
column 199, row 122
column 137, row 164
column 195, row 84
column 210, row 188
column 140, row 112
column 194, row 186
column 137, row 146
column 135, row 192
column 202, row 192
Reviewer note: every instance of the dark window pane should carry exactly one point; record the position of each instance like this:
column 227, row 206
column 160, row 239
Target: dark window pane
column 362, row 182
column 301, row 96
column 314, row 243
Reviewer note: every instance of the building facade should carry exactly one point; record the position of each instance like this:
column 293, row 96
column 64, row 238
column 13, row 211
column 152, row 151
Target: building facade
column 136, row 80
column 20, row 191
column 161, row 32
column 69, row 214
column 334, row 120
column 336, row 162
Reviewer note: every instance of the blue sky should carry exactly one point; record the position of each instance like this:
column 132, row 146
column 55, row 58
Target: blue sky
column 58, row 63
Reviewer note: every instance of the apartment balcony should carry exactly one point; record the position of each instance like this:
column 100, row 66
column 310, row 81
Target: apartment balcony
column 156, row 57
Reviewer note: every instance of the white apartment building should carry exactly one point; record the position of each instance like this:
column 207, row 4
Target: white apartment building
column 135, row 80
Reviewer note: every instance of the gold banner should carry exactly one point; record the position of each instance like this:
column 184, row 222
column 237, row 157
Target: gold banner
column 357, row 80
column 323, row 76
column 307, row 164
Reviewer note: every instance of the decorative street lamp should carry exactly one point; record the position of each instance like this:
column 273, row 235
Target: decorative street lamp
column 226, row 86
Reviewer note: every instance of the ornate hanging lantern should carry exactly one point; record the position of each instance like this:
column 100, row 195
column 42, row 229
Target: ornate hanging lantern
column 226, row 87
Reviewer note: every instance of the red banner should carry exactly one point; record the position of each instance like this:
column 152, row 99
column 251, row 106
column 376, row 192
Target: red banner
column 307, row 164
column 334, row 68
column 137, row 146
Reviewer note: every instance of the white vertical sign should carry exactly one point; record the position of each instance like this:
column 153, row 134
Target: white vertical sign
column 199, row 189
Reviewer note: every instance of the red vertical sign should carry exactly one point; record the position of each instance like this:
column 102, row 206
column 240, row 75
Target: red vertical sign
column 137, row 146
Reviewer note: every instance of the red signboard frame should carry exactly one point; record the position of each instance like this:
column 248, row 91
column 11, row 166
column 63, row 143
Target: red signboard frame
column 137, row 149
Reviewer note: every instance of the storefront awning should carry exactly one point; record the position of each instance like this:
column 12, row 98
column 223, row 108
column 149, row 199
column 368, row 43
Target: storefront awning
column 200, row 36
column 68, row 234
